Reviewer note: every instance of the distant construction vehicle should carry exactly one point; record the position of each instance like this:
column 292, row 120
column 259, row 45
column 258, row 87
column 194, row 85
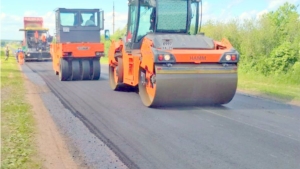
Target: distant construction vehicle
column 168, row 60
column 36, row 43
column 76, row 50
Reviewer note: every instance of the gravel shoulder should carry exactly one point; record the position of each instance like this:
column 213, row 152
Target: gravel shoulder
column 64, row 140
column 51, row 144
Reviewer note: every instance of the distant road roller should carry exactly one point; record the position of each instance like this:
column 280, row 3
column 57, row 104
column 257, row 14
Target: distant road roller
column 76, row 50
column 168, row 60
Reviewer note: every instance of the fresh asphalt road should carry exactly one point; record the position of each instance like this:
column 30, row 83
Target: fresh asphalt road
column 248, row 132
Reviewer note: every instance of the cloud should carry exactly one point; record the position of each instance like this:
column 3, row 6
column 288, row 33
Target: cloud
column 10, row 24
column 248, row 15
column 205, row 7
column 224, row 14
column 207, row 13
column 30, row 13
column 48, row 19
column 233, row 3
column 120, row 21
column 252, row 14
column 273, row 4
column 261, row 13
column 2, row 16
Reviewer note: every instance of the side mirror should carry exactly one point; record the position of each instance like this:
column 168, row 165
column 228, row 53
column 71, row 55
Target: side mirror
column 106, row 34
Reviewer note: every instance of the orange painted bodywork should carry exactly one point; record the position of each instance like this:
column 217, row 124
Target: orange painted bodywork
column 133, row 61
column 74, row 50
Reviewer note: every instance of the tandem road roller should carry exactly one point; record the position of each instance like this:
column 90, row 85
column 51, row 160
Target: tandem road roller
column 76, row 50
column 168, row 60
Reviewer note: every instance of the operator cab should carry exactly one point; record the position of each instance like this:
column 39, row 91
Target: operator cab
column 78, row 25
column 179, row 17
column 31, row 36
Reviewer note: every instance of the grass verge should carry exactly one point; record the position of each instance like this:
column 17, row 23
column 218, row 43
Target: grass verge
column 270, row 87
column 104, row 60
column 17, row 122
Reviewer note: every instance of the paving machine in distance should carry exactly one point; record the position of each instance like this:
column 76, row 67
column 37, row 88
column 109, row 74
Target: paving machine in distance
column 76, row 50
column 168, row 60
column 36, row 43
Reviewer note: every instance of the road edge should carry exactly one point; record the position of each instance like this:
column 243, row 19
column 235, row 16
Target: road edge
column 51, row 146
column 267, row 97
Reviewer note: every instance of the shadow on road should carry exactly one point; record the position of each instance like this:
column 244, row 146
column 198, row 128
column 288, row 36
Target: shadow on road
column 38, row 60
column 185, row 108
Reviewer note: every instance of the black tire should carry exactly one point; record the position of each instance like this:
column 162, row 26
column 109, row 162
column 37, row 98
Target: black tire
column 64, row 73
column 75, row 70
column 96, row 70
column 85, row 70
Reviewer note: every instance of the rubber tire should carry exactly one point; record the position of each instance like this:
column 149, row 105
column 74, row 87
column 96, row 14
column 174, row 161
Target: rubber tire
column 75, row 70
column 85, row 70
column 64, row 72
column 96, row 70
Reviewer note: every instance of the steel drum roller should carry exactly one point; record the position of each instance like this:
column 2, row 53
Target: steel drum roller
column 190, row 85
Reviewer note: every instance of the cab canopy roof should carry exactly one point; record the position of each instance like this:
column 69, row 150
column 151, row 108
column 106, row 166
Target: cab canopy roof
column 77, row 9
column 34, row 29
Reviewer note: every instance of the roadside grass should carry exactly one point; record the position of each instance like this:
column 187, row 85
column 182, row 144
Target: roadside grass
column 272, row 87
column 104, row 60
column 17, row 123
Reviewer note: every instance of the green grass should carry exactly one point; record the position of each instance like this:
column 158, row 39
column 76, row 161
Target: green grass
column 17, row 123
column 104, row 60
column 269, row 86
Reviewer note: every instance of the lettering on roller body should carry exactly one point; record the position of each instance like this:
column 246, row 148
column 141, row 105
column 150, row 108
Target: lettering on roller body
column 197, row 58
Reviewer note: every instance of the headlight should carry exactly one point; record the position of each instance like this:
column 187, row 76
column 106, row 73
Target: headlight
column 40, row 50
column 97, row 53
column 28, row 54
column 167, row 57
column 228, row 57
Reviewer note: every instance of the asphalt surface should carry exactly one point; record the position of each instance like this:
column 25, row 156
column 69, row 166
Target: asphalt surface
column 247, row 133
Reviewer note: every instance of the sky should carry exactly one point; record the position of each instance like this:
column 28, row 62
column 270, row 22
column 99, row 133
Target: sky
column 13, row 11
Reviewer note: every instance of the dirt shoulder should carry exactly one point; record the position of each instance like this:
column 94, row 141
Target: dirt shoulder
column 51, row 146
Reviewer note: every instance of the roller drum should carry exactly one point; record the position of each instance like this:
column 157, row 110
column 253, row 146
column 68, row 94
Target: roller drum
column 191, row 85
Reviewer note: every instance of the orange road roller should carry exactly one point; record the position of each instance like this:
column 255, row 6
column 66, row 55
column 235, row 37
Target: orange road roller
column 76, row 50
column 168, row 60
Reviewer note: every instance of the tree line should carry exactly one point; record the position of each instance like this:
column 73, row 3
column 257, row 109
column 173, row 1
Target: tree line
column 269, row 45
